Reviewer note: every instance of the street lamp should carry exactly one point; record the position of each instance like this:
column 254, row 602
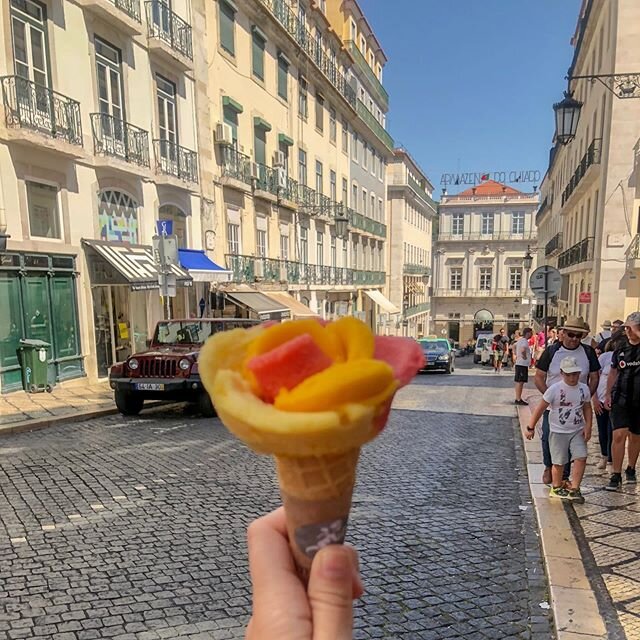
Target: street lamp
column 567, row 116
column 342, row 225
column 527, row 261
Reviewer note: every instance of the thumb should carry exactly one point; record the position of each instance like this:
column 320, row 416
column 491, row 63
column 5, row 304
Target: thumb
column 331, row 591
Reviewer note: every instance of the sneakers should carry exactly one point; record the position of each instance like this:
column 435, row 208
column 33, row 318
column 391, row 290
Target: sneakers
column 603, row 463
column 630, row 475
column 576, row 496
column 559, row 492
column 521, row 403
column 615, row 482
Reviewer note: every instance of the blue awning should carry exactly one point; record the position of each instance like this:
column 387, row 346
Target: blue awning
column 201, row 268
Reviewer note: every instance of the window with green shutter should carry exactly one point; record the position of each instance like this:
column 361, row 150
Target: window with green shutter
column 283, row 75
column 227, row 19
column 257, row 53
column 260, row 145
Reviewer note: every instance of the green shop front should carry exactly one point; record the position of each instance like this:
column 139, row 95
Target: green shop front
column 38, row 300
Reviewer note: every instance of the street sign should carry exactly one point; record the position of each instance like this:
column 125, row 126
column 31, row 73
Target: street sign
column 164, row 227
column 546, row 279
column 167, row 247
column 167, row 282
column 584, row 297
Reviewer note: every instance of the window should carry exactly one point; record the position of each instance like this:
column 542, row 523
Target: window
column 332, row 124
column 380, row 210
column 261, row 243
column 345, row 251
column 44, row 218
column 284, row 247
column 319, row 176
column 179, row 220
column 374, row 162
column 320, row 247
column 283, row 77
column 487, row 223
column 515, row 279
column 233, row 238
column 345, row 136
column 227, row 18
column 30, row 55
column 333, row 187
column 319, row 112
column 257, row 53
column 373, row 205
column 364, row 202
column 354, row 147
column 109, row 77
column 304, row 245
column 303, row 102
column 363, row 44
column 485, row 279
column 457, row 224
column 118, row 217
column 334, row 252
column 354, row 197
column 167, row 118
column 517, row 222
column 302, row 167
column 260, row 144
column 365, row 156
column 345, row 192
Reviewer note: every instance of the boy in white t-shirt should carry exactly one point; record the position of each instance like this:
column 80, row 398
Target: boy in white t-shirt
column 570, row 427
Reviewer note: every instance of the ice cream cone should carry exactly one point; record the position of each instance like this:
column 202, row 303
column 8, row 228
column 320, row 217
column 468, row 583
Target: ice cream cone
column 316, row 493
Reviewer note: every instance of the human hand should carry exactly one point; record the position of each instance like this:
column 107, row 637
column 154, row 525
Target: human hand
column 530, row 433
column 282, row 608
column 598, row 407
column 607, row 402
column 587, row 434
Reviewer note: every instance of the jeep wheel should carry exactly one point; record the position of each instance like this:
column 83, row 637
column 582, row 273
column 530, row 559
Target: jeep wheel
column 129, row 404
column 205, row 406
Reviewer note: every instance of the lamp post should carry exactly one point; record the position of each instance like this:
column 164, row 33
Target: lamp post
column 527, row 262
column 342, row 226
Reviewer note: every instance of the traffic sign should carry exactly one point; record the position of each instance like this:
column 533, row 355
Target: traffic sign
column 164, row 227
column 546, row 279
column 584, row 297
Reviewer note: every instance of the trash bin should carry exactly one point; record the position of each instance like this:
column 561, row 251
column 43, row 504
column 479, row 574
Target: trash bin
column 32, row 356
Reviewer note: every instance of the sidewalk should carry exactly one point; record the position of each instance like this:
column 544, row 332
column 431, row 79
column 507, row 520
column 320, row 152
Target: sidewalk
column 20, row 411
column 591, row 550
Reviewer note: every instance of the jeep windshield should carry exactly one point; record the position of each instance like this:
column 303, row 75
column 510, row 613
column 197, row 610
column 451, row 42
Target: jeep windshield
column 438, row 347
column 194, row 332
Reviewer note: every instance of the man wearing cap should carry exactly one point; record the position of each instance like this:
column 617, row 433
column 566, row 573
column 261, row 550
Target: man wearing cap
column 605, row 334
column 622, row 398
column 548, row 373
column 617, row 331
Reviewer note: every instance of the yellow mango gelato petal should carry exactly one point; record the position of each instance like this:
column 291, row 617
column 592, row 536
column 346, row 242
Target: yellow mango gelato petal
column 357, row 381
column 356, row 338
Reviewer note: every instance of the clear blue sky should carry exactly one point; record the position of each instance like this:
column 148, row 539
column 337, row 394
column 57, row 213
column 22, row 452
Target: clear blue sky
column 472, row 82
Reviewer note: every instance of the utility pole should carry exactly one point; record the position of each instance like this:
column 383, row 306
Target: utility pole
column 165, row 249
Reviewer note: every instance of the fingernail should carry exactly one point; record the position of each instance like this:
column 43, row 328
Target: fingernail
column 335, row 563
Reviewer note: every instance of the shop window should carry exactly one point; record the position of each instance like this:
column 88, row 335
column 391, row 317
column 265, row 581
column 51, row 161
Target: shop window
column 44, row 216
column 118, row 217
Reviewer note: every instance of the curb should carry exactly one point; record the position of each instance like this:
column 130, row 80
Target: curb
column 573, row 602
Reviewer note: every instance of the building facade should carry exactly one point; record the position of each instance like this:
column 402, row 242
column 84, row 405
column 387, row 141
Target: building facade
column 479, row 279
column 299, row 151
column 97, row 143
column 411, row 215
column 586, row 222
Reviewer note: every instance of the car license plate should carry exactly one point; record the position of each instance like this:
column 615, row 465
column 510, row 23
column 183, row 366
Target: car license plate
column 149, row 386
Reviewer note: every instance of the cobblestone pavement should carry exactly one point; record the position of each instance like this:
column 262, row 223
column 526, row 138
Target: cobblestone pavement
column 134, row 528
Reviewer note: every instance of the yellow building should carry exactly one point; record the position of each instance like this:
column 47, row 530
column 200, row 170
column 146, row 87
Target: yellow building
column 587, row 225
column 300, row 152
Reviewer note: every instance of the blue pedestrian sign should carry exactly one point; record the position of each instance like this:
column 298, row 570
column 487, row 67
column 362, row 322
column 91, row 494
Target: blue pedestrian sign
column 164, row 227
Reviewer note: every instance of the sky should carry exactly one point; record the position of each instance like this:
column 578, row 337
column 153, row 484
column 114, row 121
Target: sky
column 472, row 82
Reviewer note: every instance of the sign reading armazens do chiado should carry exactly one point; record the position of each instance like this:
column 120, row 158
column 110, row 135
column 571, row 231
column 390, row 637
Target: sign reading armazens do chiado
column 506, row 177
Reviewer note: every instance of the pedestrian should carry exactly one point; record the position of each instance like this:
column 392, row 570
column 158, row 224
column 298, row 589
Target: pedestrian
column 587, row 339
column 500, row 350
column 533, row 342
column 548, row 373
column 569, row 407
column 605, row 334
column 602, row 413
column 512, row 346
column 617, row 332
column 623, row 400
column 522, row 355
column 283, row 608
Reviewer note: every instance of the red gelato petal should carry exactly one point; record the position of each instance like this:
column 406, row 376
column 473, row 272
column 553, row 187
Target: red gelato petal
column 404, row 355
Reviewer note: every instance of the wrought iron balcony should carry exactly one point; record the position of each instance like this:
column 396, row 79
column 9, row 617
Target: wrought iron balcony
column 174, row 160
column 130, row 7
column 592, row 156
column 119, row 139
column 495, row 235
column 419, row 189
column 33, row 106
column 469, row 292
column 236, row 165
column 416, row 269
column 168, row 27
column 580, row 252
column 633, row 252
column 416, row 309
column 364, row 223
column 375, row 85
column 554, row 245
column 370, row 120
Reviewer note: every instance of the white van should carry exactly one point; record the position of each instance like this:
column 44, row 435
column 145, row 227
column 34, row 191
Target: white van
column 483, row 344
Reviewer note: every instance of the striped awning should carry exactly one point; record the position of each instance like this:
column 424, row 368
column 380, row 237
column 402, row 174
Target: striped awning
column 131, row 264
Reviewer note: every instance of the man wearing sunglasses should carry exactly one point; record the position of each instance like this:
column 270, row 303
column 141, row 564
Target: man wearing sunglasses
column 622, row 398
column 548, row 372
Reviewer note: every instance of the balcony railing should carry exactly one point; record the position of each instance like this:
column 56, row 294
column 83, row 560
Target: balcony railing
column 236, row 165
column 419, row 189
column 554, row 245
column 272, row 270
column 117, row 138
column 416, row 309
column 416, row 269
column 471, row 292
column 633, row 252
column 580, row 252
column 174, row 160
column 167, row 26
column 495, row 235
column 33, row 106
column 370, row 120
column 364, row 223
column 378, row 90
column 592, row 156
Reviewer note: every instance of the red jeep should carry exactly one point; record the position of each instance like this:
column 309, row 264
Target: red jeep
column 168, row 370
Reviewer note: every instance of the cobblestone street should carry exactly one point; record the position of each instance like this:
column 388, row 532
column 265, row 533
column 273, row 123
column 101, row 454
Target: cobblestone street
column 134, row 528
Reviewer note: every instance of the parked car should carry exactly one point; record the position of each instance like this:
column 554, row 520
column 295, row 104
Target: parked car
column 168, row 369
column 483, row 342
column 439, row 355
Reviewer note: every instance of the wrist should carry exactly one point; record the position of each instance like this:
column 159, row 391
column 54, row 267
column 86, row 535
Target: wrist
column 529, row 428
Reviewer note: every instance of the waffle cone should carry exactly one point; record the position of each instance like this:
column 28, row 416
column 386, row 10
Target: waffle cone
column 316, row 493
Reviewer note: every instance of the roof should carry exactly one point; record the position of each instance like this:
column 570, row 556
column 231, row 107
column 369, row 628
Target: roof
column 489, row 188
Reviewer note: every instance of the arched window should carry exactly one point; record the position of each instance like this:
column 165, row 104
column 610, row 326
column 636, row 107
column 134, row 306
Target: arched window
column 118, row 217
column 179, row 219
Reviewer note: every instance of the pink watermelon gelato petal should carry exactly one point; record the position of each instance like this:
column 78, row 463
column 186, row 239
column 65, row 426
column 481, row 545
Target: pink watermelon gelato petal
column 403, row 355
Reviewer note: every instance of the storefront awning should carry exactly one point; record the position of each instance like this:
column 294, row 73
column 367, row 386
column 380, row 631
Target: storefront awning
column 298, row 309
column 382, row 301
column 264, row 306
column 200, row 268
column 121, row 263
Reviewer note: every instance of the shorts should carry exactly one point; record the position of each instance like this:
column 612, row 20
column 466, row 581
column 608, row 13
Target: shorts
column 567, row 446
column 522, row 373
column 626, row 418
